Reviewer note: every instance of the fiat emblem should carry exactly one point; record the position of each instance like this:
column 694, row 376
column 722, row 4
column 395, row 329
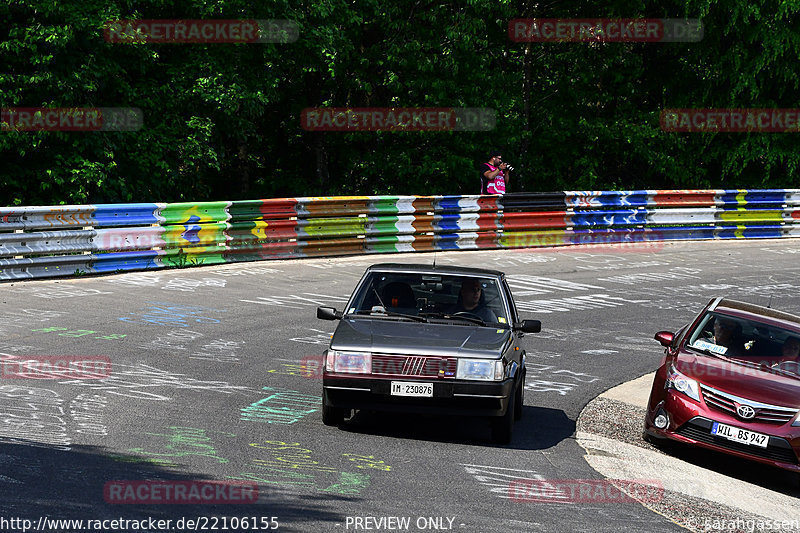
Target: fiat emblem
column 745, row 411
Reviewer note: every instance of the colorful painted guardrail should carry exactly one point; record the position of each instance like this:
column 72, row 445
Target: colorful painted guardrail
column 49, row 241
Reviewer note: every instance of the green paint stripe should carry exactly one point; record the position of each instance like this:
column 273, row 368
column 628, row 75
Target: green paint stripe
column 385, row 205
column 182, row 213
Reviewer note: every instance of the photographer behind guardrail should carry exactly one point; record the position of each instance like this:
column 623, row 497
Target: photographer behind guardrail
column 495, row 174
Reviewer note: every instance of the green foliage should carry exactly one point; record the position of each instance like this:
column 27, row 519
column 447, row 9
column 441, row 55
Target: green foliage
column 182, row 260
column 222, row 121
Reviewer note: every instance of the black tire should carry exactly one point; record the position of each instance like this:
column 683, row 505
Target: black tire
column 661, row 444
column 331, row 416
column 520, row 401
column 655, row 442
column 503, row 426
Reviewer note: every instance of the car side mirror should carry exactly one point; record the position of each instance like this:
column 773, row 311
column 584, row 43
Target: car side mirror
column 529, row 326
column 328, row 313
column 665, row 338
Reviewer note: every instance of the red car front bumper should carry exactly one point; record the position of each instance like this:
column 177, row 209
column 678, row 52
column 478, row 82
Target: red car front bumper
column 690, row 422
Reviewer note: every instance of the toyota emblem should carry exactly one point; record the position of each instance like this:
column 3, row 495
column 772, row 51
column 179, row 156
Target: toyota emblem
column 745, row 411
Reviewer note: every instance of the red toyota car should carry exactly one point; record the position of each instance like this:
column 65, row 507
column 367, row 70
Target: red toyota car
column 730, row 382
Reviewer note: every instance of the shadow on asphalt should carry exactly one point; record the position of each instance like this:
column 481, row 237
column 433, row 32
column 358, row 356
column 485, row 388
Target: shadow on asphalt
column 540, row 428
column 37, row 481
column 765, row 476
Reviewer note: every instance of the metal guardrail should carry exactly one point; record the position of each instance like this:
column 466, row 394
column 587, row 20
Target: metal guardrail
column 49, row 241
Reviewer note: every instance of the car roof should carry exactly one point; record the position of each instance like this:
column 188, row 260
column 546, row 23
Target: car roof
column 736, row 307
column 434, row 269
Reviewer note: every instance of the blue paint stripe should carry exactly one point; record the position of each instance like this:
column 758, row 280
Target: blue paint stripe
column 124, row 261
column 626, row 198
column 448, row 223
column 125, row 214
column 687, row 233
column 447, row 241
column 608, row 218
column 448, row 203
column 611, row 236
column 637, row 198
column 760, row 232
column 748, row 207
column 729, row 197
column 765, row 197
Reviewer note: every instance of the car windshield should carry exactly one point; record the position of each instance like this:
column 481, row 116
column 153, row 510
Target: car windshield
column 463, row 298
column 746, row 340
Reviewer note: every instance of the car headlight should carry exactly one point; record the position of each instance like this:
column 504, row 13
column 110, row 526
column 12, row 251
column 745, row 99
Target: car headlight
column 679, row 382
column 348, row 362
column 479, row 369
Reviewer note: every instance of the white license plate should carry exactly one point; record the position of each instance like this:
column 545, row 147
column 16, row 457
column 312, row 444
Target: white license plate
column 410, row 388
column 740, row 435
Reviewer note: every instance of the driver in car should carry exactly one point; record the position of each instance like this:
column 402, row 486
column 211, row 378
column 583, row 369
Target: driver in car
column 472, row 302
column 728, row 333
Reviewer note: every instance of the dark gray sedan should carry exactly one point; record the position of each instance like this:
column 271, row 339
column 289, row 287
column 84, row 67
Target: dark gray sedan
column 428, row 339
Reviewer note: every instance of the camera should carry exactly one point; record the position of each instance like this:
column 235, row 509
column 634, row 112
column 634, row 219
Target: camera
column 509, row 167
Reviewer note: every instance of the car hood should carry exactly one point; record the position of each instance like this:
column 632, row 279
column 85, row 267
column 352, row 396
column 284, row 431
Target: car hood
column 419, row 338
column 743, row 381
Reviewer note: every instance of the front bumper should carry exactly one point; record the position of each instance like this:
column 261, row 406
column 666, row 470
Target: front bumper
column 690, row 423
column 451, row 397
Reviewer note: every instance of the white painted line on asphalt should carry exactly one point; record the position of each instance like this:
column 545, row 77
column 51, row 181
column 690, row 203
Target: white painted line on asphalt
column 618, row 460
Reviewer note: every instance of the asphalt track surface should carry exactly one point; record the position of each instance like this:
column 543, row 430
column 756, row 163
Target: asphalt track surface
column 197, row 352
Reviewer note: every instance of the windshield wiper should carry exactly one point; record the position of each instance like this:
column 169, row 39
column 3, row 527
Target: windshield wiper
column 473, row 319
column 384, row 312
column 781, row 371
column 387, row 312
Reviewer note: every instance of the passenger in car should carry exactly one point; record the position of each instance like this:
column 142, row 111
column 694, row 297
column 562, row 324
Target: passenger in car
column 399, row 295
column 790, row 352
column 791, row 349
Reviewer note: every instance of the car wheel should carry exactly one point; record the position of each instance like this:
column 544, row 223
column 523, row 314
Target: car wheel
column 503, row 426
column 520, row 401
column 331, row 416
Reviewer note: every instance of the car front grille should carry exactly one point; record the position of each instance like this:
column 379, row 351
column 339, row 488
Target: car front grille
column 778, row 449
column 414, row 365
column 721, row 401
